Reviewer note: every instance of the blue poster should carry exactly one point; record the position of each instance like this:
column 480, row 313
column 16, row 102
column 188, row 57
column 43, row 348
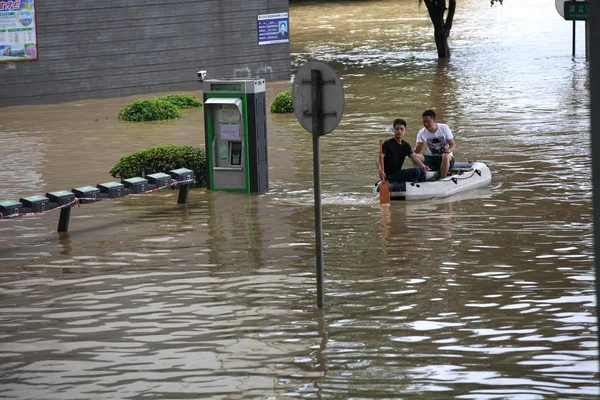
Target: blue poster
column 18, row 35
column 273, row 28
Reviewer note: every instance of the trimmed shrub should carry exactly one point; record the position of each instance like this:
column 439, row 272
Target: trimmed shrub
column 162, row 159
column 282, row 103
column 149, row 110
column 183, row 100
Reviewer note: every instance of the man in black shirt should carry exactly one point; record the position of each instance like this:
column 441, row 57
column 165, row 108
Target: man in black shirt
column 395, row 150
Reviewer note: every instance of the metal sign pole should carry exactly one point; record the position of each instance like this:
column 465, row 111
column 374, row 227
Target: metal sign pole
column 573, row 38
column 594, row 15
column 316, row 83
column 318, row 111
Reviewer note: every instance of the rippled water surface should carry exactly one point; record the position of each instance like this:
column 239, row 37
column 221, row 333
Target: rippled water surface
column 485, row 295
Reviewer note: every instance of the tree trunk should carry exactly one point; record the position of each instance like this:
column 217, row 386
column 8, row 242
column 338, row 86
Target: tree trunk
column 441, row 27
column 441, row 42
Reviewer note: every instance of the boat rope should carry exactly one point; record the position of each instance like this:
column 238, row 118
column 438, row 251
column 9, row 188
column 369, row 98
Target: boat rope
column 453, row 178
column 460, row 176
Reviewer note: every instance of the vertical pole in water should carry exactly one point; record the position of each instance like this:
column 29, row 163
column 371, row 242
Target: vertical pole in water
column 573, row 38
column 587, row 40
column 594, row 68
column 183, row 193
column 63, row 221
column 317, row 124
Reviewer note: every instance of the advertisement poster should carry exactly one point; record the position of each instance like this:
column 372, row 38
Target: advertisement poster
column 18, row 38
column 273, row 28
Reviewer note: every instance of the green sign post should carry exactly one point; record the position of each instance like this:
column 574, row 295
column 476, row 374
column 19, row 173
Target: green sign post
column 576, row 10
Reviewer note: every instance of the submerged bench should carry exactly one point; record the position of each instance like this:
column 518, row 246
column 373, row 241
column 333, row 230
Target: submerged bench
column 65, row 200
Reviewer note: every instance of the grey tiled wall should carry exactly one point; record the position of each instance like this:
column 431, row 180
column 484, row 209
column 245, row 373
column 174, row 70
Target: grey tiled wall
column 110, row 48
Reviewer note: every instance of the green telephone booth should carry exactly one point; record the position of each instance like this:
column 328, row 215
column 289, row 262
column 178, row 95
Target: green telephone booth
column 235, row 126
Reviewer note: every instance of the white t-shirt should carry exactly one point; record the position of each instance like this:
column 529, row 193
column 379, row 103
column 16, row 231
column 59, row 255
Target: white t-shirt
column 435, row 141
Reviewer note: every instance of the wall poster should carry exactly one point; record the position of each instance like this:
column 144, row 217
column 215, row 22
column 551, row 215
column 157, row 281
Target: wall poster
column 18, row 31
column 273, row 28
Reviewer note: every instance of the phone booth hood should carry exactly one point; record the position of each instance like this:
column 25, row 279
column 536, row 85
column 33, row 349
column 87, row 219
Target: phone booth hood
column 216, row 101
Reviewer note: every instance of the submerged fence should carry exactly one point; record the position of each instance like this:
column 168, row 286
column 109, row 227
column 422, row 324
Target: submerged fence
column 65, row 200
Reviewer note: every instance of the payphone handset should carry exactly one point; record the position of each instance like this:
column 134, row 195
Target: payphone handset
column 228, row 136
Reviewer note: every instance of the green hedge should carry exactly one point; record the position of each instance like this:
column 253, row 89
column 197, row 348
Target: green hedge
column 282, row 103
column 149, row 110
column 162, row 159
column 159, row 108
column 183, row 100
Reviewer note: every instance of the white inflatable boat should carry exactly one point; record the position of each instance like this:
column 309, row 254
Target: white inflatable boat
column 463, row 176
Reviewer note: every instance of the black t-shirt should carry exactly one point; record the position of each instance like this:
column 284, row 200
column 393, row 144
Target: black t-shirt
column 394, row 153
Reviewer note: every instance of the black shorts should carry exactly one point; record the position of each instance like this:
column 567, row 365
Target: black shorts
column 435, row 162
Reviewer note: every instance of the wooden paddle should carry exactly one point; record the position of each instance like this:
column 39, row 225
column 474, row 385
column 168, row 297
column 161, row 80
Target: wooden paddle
column 384, row 186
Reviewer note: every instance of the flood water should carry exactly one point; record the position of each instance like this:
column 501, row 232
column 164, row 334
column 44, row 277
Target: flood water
column 485, row 295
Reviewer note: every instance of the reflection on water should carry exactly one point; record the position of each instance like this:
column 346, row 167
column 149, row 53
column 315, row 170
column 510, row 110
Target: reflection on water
column 489, row 294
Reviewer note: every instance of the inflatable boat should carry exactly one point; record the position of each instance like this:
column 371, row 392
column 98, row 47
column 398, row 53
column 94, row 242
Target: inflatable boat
column 463, row 176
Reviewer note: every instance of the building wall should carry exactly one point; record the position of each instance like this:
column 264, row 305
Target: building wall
column 110, row 48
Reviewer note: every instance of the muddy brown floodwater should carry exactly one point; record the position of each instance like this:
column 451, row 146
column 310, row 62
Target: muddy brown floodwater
column 485, row 295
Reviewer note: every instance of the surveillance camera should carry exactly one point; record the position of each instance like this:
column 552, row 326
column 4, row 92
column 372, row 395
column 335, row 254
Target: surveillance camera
column 201, row 74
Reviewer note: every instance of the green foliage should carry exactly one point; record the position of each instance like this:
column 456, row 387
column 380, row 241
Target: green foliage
column 159, row 108
column 149, row 110
column 183, row 100
column 282, row 103
column 162, row 159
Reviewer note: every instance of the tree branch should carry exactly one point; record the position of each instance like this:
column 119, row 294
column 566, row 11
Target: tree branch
column 450, row 17
column 433, row 9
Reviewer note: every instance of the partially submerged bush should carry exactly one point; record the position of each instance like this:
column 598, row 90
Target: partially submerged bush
column 162, row 159
column 183, row 100
column 282, row 103
column 149, row 110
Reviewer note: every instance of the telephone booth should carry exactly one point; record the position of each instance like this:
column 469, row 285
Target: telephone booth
column 235, row 126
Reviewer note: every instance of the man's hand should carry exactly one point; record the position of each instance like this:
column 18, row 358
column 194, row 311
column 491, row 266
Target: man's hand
column 382, row 175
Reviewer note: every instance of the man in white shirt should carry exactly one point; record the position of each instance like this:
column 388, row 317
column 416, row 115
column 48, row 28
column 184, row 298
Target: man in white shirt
column 440, row 144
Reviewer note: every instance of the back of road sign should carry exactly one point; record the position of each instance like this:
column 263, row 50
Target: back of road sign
column 332, row 96
column 560, row 7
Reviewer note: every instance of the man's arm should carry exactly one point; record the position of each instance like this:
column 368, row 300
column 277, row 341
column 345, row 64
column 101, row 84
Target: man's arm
column 380, row 167
column 417, row 161
column 418, row 148
column 451, row 146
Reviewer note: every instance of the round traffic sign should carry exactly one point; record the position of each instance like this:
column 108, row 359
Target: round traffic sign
column 331, row 95
column 560, row 7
